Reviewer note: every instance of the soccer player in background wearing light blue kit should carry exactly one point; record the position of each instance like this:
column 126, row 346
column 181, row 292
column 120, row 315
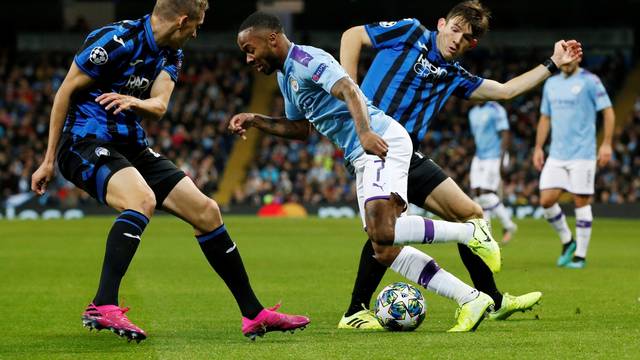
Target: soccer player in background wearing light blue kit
column 570, row 101
column 490, row 128
column 317, row 91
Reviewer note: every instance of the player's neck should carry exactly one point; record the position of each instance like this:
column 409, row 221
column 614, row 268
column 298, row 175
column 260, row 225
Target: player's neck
column 161, row 31
column 283, row 51
column 575, row 71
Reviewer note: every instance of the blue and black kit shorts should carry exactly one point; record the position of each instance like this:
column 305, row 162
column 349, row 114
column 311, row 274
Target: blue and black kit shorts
column 89, row 164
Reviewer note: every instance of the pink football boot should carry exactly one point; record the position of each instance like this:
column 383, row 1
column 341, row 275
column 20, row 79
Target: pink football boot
column 113, row 318
column 271, row 320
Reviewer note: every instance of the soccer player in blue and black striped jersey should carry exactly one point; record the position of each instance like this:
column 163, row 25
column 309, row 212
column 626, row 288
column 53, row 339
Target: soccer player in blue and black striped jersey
column 412, row 75
column 124, row 72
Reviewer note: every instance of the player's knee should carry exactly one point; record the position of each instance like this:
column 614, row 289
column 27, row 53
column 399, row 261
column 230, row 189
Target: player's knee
column 385, row 254
column 381, row 234
column 547, row 201
column 147, row 202
column 210, row 214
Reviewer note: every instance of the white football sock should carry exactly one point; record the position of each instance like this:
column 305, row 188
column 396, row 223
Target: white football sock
column 420, row 268
column 414, row 229
column 486, row 214
column 492, row 204
column 584, row 218
column 556, row 218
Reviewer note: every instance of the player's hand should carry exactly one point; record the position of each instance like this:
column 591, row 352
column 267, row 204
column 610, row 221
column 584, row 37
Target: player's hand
column 117, row 102
column 41, row 177
column 565, row 52
column 374, row 144
column 239, row 124
column 604, row 154
column 538, row 158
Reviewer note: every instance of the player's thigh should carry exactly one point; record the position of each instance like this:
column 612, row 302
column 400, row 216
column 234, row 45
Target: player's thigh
column 449, row 202
column 548, row 197
column 90, row 164
column 127, row 189
column 424, row 176
column 187, row 202
column 160, row 173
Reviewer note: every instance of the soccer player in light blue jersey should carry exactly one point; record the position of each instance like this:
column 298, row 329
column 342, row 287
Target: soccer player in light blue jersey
column 490, row 128
column 319, row 93
column 570, row 101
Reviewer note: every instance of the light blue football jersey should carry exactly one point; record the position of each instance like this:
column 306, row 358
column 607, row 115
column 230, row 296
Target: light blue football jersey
column 306, row 81
column 571, row 103
column 486, row 121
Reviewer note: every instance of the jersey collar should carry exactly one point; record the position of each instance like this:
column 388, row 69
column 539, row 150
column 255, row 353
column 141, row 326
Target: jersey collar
column 148, row 32
column 437, row 56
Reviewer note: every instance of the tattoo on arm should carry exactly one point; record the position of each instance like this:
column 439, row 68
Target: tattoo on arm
column 283, row 127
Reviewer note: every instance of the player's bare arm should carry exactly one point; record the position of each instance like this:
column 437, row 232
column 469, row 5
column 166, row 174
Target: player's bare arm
column 541, row 138
column 74, row 81
column 605, row 150
column 347, row 90
column 152, row 108
column 279, row 126
column 564, row 52
column 350, row 47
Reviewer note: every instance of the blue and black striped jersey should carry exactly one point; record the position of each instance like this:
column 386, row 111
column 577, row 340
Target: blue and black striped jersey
column 408, row 78
column 122, row 57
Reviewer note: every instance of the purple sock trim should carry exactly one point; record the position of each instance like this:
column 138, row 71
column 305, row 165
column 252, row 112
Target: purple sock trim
column 429, row 233
column 556, row 218
column 583, row 224
column 491, row 207
column 428, row 272
column 381, row 197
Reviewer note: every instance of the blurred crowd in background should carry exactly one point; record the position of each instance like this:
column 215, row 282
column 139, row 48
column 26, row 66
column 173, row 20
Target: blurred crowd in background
column 215, row 85
column 212, row 87
column 313, row 172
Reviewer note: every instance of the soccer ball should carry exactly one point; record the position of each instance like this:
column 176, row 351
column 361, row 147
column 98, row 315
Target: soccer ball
column 400, row 307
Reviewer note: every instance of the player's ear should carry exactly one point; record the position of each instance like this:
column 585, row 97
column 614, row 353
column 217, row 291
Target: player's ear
column 182, row 21
column 442, row 22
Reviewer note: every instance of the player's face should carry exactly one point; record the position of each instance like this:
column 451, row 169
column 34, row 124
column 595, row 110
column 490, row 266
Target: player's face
column 570, row 68
column 454, row 37
column 258, row 47
column 188, row 30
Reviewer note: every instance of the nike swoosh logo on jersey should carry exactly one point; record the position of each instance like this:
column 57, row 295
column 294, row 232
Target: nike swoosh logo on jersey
column 134, row 63
column 118, row 40
column 132, row 236
column 231, row 248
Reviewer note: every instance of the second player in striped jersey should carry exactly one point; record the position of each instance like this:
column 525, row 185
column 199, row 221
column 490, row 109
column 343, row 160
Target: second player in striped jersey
column 412, row 75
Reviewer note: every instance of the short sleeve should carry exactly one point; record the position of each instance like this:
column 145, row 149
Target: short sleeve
column 102, row 51
column 324, row 71
column 599, row 93
column 467, row 82
column 545, row 106
column 387, row 34
column 502, row 120
column 173, row 64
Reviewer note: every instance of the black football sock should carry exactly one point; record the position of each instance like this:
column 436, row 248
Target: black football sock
column 566, row 246
column 224, row 258
column 370, row 273
column 480, row 274
column 122, row 244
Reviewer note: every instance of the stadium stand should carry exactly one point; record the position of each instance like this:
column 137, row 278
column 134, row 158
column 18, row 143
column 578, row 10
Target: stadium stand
column 212, row 86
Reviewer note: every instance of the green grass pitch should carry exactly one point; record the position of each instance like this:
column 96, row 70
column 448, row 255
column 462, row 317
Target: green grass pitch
column 49, row 272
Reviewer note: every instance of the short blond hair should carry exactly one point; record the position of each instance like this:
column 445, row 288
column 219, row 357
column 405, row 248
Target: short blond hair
column 169, row 9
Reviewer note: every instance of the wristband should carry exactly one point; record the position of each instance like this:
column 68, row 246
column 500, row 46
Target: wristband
column 550, row 65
